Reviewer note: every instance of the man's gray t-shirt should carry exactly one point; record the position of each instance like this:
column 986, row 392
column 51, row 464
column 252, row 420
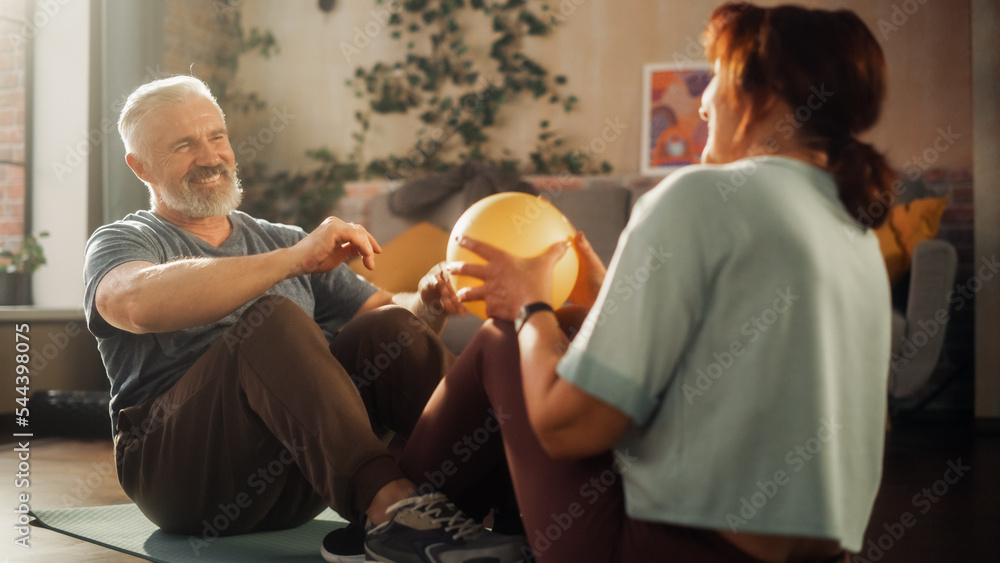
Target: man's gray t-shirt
column 142, row 366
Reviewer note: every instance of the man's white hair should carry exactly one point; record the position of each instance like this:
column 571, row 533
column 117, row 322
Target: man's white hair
column 152, row 96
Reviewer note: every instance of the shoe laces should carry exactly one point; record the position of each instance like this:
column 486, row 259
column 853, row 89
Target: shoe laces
column 442, row 513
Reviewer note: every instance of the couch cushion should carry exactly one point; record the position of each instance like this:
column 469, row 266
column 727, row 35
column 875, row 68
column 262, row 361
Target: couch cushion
column 896, row 260
column 385, row 225
column 918, row 221
column 601, row 213
column 907, row 226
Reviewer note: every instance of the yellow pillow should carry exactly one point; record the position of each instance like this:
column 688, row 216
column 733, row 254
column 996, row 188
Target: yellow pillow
column 918, row 221
column 907, row 226
column 406, row 258
column 896, row 261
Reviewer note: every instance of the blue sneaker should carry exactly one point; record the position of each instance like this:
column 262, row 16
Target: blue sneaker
column 429, row 529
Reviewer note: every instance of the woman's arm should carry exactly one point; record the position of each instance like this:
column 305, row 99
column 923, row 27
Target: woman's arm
column 569, row 422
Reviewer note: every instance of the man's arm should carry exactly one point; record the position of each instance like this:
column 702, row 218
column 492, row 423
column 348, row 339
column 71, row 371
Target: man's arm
column 142, row 297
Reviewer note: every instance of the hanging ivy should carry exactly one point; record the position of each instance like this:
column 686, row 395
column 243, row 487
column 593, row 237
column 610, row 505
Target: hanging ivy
column 261, row 42
column 457, row 98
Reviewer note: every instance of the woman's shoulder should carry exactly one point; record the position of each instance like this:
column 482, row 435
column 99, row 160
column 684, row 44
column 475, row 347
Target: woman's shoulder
column 700, row 185
column 760, row 177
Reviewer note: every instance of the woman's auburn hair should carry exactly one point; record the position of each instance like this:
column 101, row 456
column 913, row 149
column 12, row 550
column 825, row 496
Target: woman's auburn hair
column 828, row 67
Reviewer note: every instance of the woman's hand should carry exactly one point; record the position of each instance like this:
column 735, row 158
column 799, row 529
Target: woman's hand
column 509, row 281
column 591, row 274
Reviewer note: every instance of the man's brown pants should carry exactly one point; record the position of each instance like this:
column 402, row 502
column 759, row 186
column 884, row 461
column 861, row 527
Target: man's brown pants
column 271, row 425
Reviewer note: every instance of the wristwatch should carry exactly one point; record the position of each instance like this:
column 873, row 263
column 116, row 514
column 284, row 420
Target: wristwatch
column 527, row 311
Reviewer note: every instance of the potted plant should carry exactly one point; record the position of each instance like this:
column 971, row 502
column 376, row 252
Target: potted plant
column 16, row 269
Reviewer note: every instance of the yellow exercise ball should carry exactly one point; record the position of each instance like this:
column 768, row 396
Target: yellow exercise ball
column 522, row 225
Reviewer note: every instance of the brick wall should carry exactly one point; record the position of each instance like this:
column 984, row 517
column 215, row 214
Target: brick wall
column 958, row 354
column 199, row 37
column 12, row 98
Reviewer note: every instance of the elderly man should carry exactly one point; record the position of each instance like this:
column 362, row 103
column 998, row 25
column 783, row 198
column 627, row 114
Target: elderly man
column 232, row 343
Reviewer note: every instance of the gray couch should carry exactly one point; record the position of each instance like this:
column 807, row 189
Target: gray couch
column 600, row 212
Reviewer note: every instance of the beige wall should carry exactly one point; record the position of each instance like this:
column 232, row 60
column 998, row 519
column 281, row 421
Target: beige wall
column 601, row 47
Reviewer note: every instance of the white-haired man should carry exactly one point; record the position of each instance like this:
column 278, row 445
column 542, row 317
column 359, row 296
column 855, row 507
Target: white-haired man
column 231, row 344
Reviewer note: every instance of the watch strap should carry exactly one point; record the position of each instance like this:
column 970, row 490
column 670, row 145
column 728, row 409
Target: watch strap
column 528, row 310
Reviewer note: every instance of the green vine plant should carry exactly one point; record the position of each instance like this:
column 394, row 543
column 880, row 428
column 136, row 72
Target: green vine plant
column 457, row 96
column 28, row 259
column 261, row 42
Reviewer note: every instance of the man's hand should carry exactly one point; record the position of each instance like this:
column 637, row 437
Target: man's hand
column 331, row 244
column 437, row 292
column 434, row 299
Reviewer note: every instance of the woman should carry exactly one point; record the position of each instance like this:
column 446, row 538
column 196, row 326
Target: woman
column 724, row 399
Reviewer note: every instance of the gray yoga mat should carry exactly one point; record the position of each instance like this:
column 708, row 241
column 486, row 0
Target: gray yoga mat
column 124, row 528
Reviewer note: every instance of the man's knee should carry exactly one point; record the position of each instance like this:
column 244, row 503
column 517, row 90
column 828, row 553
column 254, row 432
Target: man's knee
column 387, row 324
column 268, row 307
column 387, row 320
column 268, row 312
column 384, row 339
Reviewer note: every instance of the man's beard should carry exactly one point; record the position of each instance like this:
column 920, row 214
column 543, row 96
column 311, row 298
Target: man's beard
column 201, row 203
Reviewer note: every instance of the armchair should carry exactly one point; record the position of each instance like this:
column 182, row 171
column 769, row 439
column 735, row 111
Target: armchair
column 918, row 332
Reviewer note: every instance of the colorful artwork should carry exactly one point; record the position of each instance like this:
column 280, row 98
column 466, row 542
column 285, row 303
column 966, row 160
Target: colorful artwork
column 673, row 134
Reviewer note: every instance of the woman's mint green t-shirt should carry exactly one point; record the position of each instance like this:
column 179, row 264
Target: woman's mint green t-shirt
column 744, row 327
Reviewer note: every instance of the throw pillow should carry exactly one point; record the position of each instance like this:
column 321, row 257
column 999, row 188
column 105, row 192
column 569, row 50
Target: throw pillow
column 406, row 258
column 907, row 226
column 896, row 263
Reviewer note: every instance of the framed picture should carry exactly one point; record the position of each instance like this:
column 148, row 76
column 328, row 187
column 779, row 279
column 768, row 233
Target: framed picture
column 673, row 134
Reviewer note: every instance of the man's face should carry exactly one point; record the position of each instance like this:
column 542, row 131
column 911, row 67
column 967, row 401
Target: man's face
column 191, row 165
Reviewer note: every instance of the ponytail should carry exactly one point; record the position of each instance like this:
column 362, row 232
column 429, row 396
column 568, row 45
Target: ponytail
column 787, row 52
column 863, row 177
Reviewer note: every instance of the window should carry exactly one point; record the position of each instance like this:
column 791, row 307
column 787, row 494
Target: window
column 15, row 43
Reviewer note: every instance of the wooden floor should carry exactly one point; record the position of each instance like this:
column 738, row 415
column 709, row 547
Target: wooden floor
column 939, row 502
column 942, row 482
column 63, row 473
